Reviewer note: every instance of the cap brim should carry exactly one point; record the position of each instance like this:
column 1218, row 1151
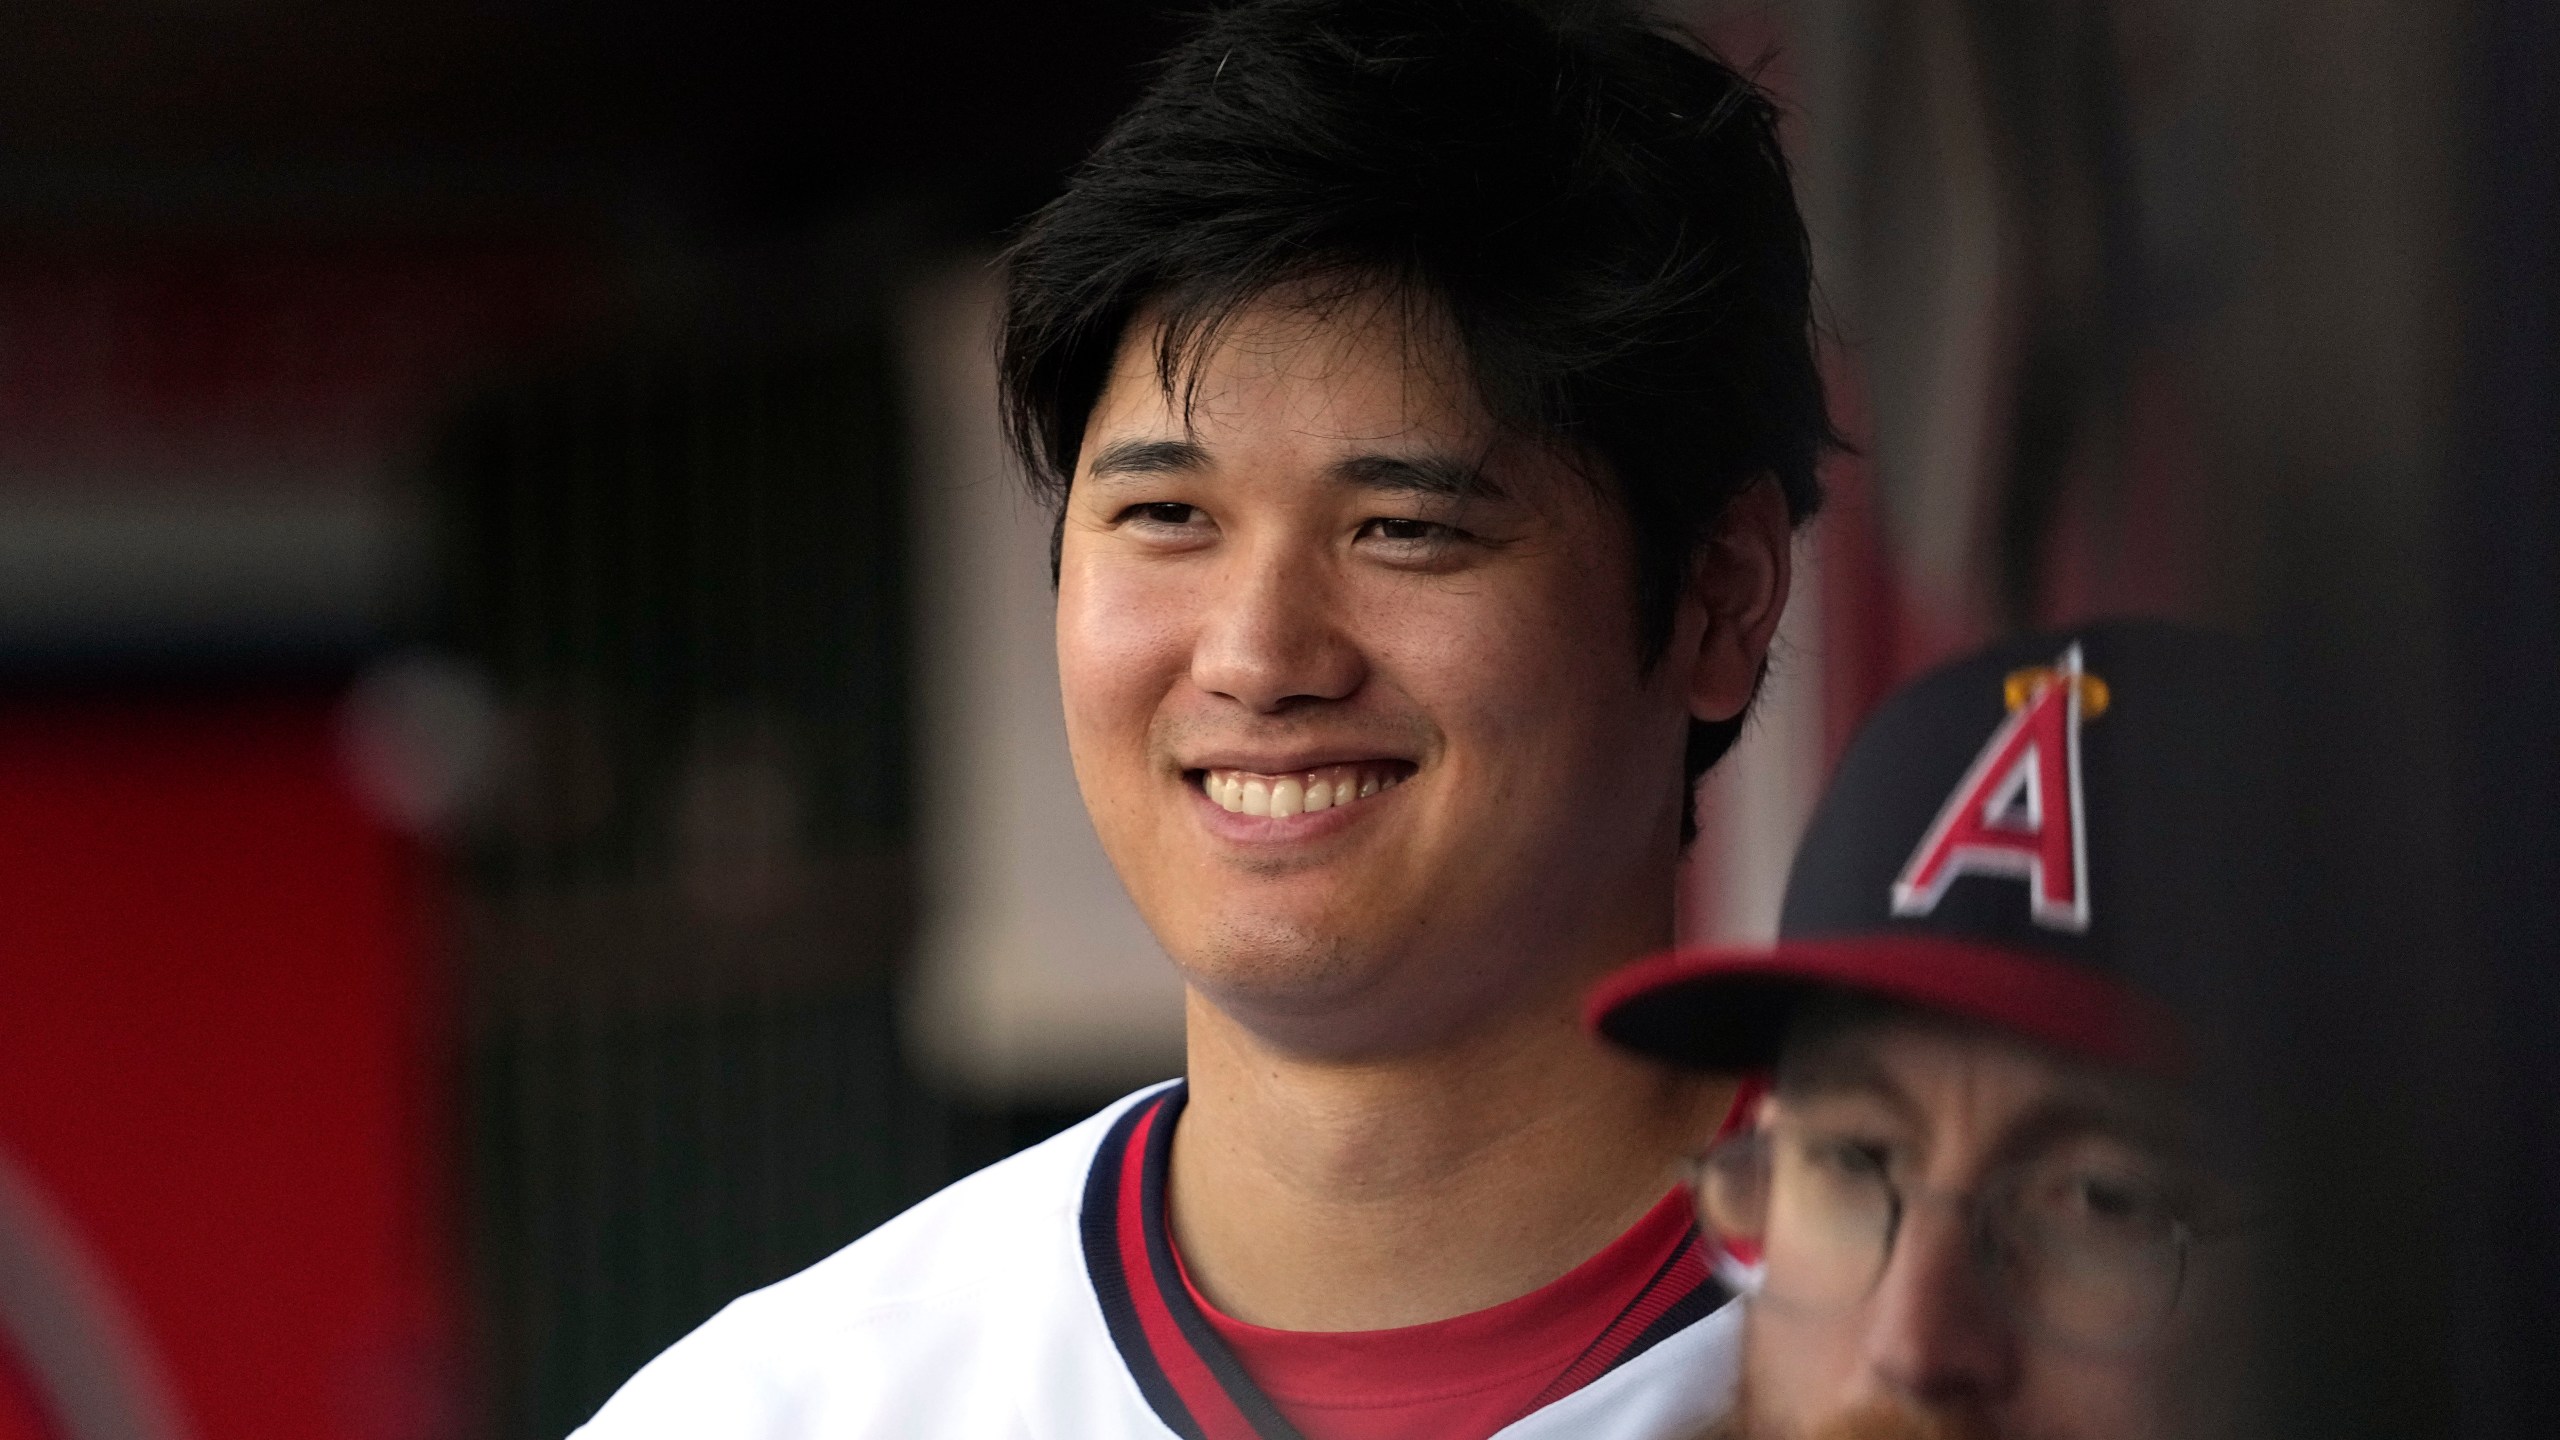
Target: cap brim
column 1727, row 1009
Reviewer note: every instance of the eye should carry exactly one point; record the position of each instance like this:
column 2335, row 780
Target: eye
column 1848, row 1158
column 1160, row 512
column 2110, row 1198
column 1407, row 531
column 2102, row 1207
column 1417, row 544
column 2124, row 1203
column 1836, row 1175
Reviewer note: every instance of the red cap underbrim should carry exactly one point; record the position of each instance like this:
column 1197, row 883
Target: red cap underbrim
column 1727, row 1009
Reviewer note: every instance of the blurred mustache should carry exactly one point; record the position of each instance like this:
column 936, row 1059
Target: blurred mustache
column 1873, row 1420
column 1901, row 1420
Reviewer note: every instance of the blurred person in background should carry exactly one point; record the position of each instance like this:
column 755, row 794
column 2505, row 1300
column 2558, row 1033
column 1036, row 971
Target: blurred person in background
column 1426, row 392
column 1981, row 1196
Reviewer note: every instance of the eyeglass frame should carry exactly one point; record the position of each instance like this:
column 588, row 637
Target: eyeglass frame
column 1984, row 1242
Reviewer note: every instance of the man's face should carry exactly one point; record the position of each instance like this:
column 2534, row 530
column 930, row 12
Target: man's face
column 1352, row 685
column 2071, row 1320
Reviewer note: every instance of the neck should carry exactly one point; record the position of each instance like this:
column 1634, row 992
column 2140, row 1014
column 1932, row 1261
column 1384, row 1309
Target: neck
column 1346, row 1194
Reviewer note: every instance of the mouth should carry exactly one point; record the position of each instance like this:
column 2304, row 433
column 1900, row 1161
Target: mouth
column 1299, row 792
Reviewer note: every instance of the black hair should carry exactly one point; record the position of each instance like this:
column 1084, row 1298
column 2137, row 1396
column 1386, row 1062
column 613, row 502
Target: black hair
column 1598, row 209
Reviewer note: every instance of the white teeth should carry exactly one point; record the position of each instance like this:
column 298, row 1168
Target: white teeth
column 1242, row 792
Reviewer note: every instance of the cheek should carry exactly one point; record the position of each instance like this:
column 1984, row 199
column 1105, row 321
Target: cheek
column 1579, row 627
column 1542, row 668
column 2090, row 1399
column 2201, row 1381
column 1122, row 641
column 1796, row 1372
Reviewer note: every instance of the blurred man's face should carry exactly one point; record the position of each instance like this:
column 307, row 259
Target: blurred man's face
column 2043, row 1282
column 1352, row 684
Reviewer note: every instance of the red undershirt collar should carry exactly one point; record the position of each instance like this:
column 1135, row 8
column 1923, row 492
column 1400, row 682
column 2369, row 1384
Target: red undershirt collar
column 1209, row 1377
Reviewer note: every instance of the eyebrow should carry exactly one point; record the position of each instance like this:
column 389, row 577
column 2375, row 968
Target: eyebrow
column 1435, row 475
column 2075, row 1113
column 1149, row 457
column 2071, row 1117
column 1442, row 477
column 1836, row 1071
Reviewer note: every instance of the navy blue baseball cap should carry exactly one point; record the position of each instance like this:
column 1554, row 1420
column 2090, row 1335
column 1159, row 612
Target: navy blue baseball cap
column 2021, row 838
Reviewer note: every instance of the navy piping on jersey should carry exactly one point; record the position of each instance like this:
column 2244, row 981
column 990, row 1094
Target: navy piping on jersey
column 1688, row 1310
column 1264, row 1416
column 1101, row 1228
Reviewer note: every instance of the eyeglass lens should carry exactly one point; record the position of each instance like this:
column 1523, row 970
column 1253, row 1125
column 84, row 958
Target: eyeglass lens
column 2085, row 1256
column 2090, row 1256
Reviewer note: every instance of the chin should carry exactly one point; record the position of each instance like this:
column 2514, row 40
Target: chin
column 1249, row 967
column 1318, row 991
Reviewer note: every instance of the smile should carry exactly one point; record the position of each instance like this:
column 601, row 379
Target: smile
column 1328, row 787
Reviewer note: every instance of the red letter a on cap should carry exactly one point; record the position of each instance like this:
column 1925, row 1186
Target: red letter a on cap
column 2016, row 813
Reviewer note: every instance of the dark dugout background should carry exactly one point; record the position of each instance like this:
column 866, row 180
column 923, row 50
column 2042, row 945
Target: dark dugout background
column 457, row 782
column 492, row 406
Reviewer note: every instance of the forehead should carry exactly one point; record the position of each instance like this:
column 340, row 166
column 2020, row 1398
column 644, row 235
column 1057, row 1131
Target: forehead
column 1297, row 369
column 1948, row 1075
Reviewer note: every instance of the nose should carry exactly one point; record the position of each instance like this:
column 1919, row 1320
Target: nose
column 1272, row 638
column 1935, row 1332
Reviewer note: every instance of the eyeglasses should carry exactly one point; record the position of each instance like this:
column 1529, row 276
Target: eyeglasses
column 2083, row 1254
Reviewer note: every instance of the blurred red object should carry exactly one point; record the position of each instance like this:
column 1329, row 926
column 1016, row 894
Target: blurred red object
column 220, row 1041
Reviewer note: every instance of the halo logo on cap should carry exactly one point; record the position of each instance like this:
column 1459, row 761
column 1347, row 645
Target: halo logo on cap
column 2017, row 812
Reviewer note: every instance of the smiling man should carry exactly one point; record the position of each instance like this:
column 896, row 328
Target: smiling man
column 1426, row 392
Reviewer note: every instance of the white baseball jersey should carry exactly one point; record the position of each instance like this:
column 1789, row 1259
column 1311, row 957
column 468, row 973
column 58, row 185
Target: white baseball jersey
column 1023, row 1304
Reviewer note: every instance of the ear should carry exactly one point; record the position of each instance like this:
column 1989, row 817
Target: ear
column 1738, row 584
